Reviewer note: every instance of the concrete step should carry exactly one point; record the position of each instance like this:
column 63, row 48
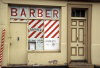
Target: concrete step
column 80, row 65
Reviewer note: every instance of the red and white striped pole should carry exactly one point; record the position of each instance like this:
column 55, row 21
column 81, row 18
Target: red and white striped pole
column 2, row 46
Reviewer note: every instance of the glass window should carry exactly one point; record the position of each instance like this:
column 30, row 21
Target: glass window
column 43, row 34
column 76, row 12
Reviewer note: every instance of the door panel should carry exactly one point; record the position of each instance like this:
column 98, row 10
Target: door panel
column 81, row 34
column 18, row 47
column 74, row 35
column 78, row 47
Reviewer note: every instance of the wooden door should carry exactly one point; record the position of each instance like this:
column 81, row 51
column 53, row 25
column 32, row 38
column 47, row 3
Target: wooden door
column 78, row 40
column 18, row 46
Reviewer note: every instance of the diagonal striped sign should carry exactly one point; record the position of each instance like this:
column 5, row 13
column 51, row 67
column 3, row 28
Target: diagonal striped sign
column 43, row 29
column 35, row 29
column 2, row 46
column 51, row 28
column 44, row 32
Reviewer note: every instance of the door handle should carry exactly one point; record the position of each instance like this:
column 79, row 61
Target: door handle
column 83, row 42
column 77, row 38
column 17, row 38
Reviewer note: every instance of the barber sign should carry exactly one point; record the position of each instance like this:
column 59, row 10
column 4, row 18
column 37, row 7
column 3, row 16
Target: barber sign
column 43, row 25
column 31, row 12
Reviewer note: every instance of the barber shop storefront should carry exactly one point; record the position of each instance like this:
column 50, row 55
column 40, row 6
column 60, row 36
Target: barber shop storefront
column 49, row 33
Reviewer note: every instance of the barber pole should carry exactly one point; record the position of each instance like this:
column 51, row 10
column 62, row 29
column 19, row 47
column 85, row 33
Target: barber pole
column 2, row 46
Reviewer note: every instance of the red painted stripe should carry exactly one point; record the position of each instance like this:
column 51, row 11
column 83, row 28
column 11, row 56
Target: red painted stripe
column 3, row 33
column 35, row 23
column 34, row 31
column 31, row 22
column 55, row 34
column 48, row 23
column 52, row 31
column 21, row 19
column 2, row 42
column 1, row 55
column 51, row 26
column 2, row 46
column 37, row 34
column 41, row 25
column 31, row 34
column 2, row 39
column 42, row 36
column 1, row 50
column 15, row 19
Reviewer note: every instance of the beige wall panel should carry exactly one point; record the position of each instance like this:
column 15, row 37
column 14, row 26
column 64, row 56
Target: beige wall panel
column 44, row 58
column 96, row 33
column 61, row 57
column 35, row 2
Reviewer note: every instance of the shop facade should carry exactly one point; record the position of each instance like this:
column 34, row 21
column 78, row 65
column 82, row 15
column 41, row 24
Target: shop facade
column 49, row 33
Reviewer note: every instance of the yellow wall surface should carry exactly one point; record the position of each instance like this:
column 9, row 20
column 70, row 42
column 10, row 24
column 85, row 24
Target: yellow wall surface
column 61, row 57
column 36, row 58
column 95, row 34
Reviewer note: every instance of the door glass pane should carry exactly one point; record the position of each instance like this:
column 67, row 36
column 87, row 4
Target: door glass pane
column 77, row 12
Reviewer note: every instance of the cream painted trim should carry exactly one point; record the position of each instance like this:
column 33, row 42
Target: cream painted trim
column 34, row 2
column 89, row 7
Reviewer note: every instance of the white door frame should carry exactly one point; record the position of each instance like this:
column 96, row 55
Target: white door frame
column 88, row 7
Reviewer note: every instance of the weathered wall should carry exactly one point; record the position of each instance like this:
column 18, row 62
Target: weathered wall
column 35, row 58
column 4, row 24
column 95, row 34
